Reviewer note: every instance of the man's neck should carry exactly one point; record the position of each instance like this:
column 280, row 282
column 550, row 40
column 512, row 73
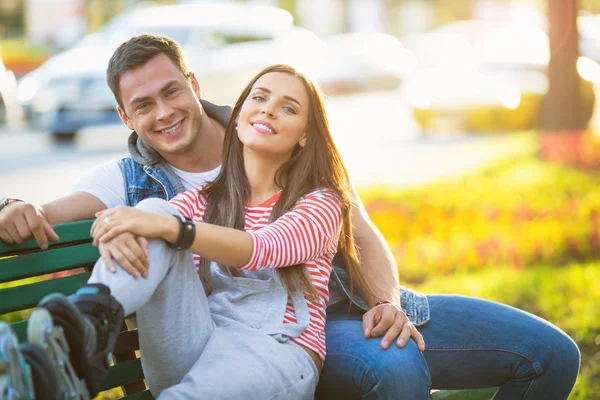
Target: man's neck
column 205, row 153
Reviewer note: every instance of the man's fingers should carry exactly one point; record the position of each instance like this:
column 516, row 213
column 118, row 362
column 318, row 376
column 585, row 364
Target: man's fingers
column 133, row 259
column 404, row 335
column 36, row 226
column 107, row 257
column 393, row 332
column 386, row 320
column 50, row 233
column 124, row 263
column 417, row 337
column 143, row 242
column 5, row 237
column 368, row 322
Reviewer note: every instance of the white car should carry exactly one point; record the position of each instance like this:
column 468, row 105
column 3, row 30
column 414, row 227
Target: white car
column 225, row 44
column 358, row 62
column 11, row 112
column 481, row 76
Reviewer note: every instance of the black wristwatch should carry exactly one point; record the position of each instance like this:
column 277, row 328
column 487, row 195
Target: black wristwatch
column 4, row 201
column 187, row 233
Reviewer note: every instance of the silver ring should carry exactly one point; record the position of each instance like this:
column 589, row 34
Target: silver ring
column 105, row 220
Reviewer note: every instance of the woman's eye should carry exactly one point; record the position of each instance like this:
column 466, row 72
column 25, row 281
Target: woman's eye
column 289, row 109
column 258, row 98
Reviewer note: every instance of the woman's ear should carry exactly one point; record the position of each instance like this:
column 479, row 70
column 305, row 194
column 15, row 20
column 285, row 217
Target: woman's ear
column 302, row 141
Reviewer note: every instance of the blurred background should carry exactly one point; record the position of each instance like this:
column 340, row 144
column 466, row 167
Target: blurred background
column 470, row 127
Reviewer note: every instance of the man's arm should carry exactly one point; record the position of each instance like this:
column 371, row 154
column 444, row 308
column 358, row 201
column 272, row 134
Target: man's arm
column 20, row 221
column 73, row 207
column 379, row 267
column 381, row 274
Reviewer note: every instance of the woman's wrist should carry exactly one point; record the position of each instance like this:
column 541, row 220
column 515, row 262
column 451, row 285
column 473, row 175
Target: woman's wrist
column 170, row 229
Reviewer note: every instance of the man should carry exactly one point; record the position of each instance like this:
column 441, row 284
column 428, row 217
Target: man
column 176, row 145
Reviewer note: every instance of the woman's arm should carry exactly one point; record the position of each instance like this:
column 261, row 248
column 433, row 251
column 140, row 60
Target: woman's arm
column 299, row 235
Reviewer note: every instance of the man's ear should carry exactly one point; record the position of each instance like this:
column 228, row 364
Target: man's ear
column 195, row 85
column 125, row 118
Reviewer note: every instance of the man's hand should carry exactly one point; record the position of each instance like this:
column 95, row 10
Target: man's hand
column 20, row 221
column 129, row 251
column 391, row 320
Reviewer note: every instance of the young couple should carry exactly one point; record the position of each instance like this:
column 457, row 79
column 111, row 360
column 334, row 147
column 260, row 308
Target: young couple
column 260, row 203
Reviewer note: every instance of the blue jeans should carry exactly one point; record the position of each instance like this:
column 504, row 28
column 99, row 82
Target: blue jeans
column 470, row 343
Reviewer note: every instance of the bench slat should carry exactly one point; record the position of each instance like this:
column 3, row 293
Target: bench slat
column 70, row 232
column 44, row 262
column 122, row 373
column 145, row 395
column 26, row 296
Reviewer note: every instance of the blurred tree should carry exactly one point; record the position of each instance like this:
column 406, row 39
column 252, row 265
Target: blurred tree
column 565, row 111
column 562, row 106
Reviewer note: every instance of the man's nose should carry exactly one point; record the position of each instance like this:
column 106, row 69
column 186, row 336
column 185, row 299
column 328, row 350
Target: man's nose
column 164, row 110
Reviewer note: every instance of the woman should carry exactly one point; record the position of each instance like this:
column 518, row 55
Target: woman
column 283, row 197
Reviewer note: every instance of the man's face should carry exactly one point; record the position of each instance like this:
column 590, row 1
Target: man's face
column 162, row 106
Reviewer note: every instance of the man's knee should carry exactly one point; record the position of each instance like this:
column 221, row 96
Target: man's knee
column 158, row 206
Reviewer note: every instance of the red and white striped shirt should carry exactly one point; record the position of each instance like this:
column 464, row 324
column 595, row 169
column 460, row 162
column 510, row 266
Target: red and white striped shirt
column 308, row 233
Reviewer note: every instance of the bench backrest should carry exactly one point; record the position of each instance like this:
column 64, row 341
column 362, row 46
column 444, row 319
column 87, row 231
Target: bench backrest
column 27, row 274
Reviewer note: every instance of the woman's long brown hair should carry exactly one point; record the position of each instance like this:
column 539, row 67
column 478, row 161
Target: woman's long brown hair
column 317, row 165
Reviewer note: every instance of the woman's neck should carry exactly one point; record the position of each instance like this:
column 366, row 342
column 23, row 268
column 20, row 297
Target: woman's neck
column 261, row 177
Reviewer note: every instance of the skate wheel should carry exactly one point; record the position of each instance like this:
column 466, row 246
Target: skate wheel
column 42, row 372
column 38, row 327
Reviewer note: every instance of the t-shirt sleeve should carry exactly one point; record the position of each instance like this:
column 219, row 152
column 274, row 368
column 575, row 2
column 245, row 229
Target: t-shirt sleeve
column 106, row 183
column 307, row 231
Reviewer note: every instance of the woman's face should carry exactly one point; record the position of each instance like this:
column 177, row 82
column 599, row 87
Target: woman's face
column 274, row 116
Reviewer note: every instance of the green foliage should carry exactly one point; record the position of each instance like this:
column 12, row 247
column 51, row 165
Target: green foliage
column 520, row 212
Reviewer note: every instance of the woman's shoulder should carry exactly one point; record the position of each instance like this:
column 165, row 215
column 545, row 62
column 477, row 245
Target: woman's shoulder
column 195, row 195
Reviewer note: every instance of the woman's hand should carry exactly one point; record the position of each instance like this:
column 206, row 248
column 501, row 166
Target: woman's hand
column 390, row 319
column 131, row 252
column 112, row 222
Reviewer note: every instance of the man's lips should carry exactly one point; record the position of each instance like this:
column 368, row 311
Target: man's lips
column 171, row 130
column 263, row 127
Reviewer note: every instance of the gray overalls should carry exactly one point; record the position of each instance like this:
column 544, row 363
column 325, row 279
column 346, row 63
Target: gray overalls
column 230, row 345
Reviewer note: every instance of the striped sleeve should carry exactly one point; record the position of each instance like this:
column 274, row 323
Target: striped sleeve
column 188, row 203
column 308, row 230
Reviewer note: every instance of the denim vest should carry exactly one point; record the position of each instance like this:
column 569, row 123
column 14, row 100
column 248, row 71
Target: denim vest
column 147, row 175
column 147, row 181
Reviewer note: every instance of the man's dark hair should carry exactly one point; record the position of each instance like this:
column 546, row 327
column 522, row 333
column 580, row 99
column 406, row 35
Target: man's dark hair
column 136, row 52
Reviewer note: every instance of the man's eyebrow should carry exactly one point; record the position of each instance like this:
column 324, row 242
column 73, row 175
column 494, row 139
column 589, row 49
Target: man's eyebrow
column 290, row 98
column 163, row 89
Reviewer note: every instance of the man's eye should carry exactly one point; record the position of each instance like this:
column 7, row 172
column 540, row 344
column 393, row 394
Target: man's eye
column 142, row 107
column 171, row 92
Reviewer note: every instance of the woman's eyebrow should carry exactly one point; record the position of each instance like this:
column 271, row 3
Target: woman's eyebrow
column 290, row 98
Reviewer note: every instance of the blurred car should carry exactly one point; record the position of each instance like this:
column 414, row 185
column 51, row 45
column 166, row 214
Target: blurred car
column 484, row 76
column 359, row 62
column 224, row 44
column 10, row 107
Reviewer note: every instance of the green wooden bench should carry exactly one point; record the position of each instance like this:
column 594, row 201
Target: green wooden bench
column 76, row 253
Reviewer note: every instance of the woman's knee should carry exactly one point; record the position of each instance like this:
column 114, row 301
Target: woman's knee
column 158, row 206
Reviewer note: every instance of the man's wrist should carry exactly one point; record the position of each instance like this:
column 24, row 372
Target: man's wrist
column 4, row 201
